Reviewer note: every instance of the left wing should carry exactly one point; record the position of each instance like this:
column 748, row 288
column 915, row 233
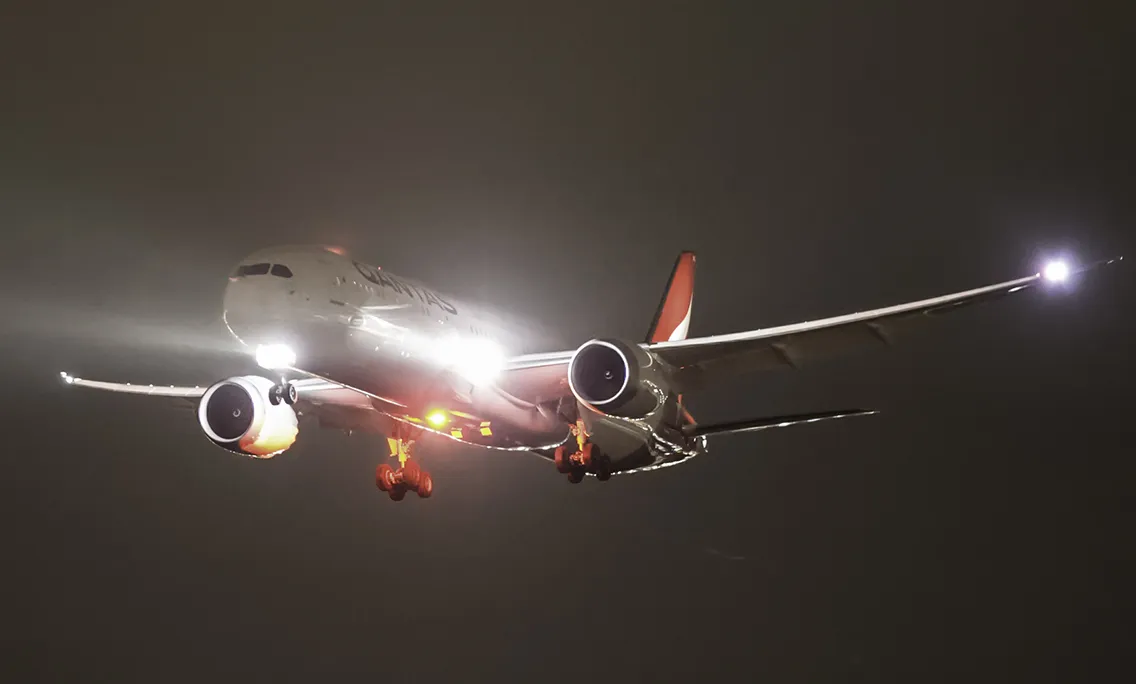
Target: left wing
column 537, row 378
column 791, row 346
column 788, row 346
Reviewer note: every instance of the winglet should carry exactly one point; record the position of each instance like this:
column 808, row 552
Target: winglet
column 672, row 319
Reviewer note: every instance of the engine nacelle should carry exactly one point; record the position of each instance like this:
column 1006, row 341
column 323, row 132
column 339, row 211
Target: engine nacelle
column 617, row 378
column 235, row 414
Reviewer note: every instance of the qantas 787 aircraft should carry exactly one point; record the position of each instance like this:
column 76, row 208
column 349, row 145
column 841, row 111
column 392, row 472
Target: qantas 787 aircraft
column 358, row 348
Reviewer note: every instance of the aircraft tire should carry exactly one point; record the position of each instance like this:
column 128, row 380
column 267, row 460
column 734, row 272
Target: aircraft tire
column 561, row 460
column 425, row 486
column 412, row 474
column 384, row 477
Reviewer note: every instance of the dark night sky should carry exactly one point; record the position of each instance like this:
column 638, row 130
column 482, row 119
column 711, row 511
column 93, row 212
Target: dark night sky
column 553, row 161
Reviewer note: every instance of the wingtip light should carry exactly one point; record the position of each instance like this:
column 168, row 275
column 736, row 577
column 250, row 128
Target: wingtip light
column 1056, row 271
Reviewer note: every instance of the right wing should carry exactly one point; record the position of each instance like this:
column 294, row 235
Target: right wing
column 188, row 394
column 307, row 389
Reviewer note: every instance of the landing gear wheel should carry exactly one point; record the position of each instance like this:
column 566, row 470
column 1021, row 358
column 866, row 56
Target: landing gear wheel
column 384, row 478
column 285, row 392
column 561, row 459
column 576, row 476
column 412, row 474
column 602, row 465
column 425, row 486
column 398, row 493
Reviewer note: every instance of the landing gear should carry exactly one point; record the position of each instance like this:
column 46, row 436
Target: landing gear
column 283, row 392
column 586, row 457
column 409, row 476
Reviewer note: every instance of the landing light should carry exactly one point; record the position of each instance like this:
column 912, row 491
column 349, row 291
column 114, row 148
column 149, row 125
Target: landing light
column 275, row 356
column 1056, row 271
column 477, row 360
column 437, row 418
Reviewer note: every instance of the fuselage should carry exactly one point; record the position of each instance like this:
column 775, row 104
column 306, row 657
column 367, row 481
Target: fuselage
column 413, row 350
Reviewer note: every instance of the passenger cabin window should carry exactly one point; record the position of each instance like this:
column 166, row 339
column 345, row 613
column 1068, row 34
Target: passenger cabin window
column 281, row 271
column 253, row 269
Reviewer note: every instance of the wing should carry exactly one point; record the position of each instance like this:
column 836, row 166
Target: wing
column 787, row 346
column 790, row 346
column 537, row 378
column 335, row 405
column 188, row 394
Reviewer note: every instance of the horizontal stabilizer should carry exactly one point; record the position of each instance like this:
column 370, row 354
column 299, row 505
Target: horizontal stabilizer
column 772, row 422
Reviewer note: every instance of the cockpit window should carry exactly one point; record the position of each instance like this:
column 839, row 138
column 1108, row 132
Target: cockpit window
column 281, row 271
column 252, row 269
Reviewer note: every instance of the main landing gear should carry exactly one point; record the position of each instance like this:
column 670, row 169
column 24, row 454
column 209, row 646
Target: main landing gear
column 283, row 392
column 409, row 476
column 586, row 457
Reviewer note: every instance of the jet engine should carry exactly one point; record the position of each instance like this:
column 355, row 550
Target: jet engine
column 617, row 378
column 236, row 414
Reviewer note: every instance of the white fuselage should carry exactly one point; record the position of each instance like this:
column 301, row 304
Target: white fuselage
column 407, row 345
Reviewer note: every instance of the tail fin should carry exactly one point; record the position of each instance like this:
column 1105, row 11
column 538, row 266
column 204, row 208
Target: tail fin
column 672, row 319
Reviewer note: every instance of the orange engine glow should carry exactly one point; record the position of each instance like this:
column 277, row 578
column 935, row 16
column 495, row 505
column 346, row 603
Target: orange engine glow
column 275, row 436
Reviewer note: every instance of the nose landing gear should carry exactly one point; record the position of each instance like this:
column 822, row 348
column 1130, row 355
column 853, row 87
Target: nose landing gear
column 409, row 476
column 283, row 392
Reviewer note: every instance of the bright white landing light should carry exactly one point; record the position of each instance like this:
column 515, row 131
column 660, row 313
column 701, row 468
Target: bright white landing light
column 477, row 360
column 1056, row 271
column 275, row 356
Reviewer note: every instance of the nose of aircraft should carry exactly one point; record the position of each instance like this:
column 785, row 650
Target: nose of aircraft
column 275, row 292
column 257, row 300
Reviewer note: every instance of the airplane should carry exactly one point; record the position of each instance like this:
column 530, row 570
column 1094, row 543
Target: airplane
column 355, row 347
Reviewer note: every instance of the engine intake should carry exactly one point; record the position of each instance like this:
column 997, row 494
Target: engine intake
column 236, row 414
column 617, row 378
